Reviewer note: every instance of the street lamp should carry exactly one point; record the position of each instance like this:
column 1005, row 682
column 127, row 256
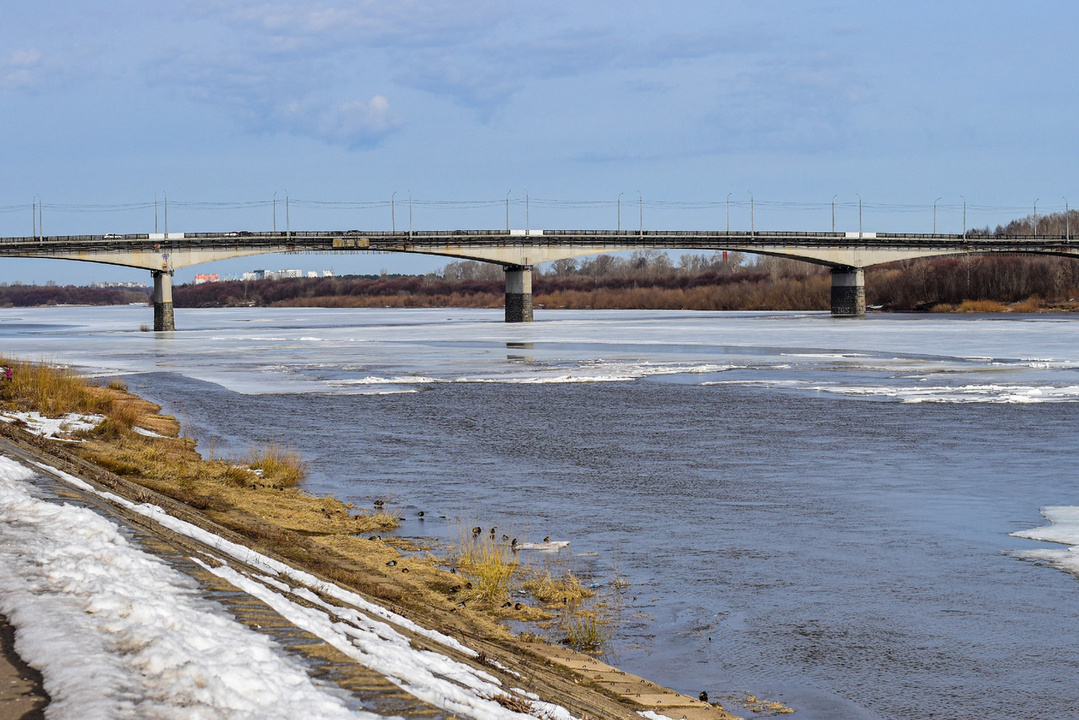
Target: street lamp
column 1067, row 222
column 33, row 216
column 640, row 206
column 751, row 228
column 165, row 195
column 859, row 216
column 410, row 214
column 729, row 213
column 935, row 216
column 527, row 219
column 288, row 223
column 964, row 215
column 274, row 212
column 508, row 210
column 833, row 212
column 1036, row 217
column 620, row 212
column 393, row 214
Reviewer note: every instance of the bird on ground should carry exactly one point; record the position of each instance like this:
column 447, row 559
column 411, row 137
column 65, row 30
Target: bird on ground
column 547, row 539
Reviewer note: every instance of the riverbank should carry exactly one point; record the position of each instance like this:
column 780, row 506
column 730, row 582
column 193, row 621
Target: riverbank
column 136, row 454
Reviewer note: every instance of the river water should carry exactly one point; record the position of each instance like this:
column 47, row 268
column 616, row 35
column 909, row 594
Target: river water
column 806, row 509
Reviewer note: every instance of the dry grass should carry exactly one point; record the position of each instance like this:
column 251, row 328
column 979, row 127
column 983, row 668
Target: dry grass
column 281, row 466
column 1031, row 305
column 488, row 562
column 556, row 589
column 51, row 390
column 971, row 306
column 586, row 630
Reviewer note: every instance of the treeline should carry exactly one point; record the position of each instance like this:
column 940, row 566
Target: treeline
column 52, row 294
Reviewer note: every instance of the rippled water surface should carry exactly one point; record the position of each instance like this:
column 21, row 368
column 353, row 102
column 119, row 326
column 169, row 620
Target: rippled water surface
column 806, row 509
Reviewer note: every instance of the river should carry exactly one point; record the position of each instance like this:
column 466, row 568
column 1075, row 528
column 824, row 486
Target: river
column 812, row 510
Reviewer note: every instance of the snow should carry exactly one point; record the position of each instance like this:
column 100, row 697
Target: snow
column 55, row 428
column 1063, row 528
column 360, row 629
column 116, row 633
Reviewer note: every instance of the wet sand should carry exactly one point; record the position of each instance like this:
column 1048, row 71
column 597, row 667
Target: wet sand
column 22, row 696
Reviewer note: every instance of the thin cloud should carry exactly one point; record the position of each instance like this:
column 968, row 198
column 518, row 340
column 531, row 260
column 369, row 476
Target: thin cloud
column 21, row 68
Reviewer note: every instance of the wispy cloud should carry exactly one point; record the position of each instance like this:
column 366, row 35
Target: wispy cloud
column 21, row 68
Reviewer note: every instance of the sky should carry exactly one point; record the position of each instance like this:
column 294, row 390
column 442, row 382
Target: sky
column 349, row 108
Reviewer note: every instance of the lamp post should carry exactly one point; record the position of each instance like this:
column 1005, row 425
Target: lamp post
column 729, row 213
column 752, row 229
column 1036, row 217
column 393, row 214
column 508, row 210
column 155, row 213
column 640, row 206
column 410, row 214
column 1067, row 222
column 288, row 223
column 620, row 212
column 833, row 212
column 935, row 216
column 33, row 216
column 165, row 195
column 274, row 212
column 527, row 219
column 859, row 216
column 964, row 215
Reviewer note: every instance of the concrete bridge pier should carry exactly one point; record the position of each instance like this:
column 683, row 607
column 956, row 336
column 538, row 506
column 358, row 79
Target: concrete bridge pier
column 848, row 292
column 518, row 293
column 163, row 319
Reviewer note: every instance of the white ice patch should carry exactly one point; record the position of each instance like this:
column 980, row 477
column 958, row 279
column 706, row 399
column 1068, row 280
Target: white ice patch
column 116, row 633
column 55, row 428
column 913, row 394
column 146, row 433
column 1063, row 528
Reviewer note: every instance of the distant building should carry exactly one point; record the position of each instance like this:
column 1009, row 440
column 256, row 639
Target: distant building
column 200, row 279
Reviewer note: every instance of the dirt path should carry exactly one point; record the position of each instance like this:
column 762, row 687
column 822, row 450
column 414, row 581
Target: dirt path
column 21, row 695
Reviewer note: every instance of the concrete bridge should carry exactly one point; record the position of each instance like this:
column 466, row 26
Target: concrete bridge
column 518, row 251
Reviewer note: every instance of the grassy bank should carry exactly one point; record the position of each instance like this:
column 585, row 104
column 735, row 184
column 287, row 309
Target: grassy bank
column 259, row 496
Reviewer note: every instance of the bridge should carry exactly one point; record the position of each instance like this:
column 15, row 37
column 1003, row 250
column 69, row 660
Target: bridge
column 518, row 251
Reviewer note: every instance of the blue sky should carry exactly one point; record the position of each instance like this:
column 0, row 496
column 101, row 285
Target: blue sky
column 220, row 104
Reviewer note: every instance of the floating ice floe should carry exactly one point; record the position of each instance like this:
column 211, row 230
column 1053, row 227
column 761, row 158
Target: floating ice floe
column 1063, row 528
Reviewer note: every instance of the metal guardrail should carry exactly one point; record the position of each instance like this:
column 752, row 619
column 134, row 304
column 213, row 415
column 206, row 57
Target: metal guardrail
column 379, row 240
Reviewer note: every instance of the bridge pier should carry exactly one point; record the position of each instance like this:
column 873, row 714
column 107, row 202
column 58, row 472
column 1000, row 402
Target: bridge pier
column 163, row 318
column 518, row 293
column 848, row 292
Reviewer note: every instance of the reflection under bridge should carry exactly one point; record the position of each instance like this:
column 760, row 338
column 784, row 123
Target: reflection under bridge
column 518, row 251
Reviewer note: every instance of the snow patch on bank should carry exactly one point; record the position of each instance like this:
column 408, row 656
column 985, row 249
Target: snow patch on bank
column 349, row 626
column 55, row 428
column 116, row 633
